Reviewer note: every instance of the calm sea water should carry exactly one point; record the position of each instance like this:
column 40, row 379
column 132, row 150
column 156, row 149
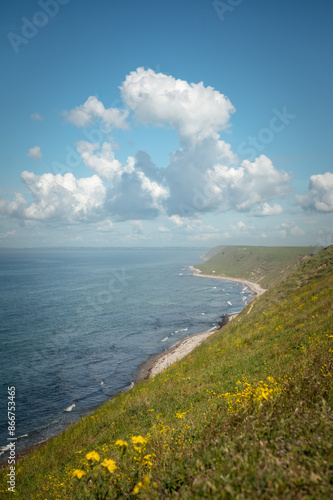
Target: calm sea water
column 75, row 325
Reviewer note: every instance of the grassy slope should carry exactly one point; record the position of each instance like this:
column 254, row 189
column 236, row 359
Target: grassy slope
column 246, row 415
column 212, row 252
column 263, row 265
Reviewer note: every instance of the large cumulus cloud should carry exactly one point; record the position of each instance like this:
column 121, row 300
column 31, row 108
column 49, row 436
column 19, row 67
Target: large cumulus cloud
column 196, row 111
column 204, row 174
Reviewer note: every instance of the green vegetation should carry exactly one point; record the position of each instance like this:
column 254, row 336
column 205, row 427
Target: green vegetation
column 263, row 265
column 247, row 415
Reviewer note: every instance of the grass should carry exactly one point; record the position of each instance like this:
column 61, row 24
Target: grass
column 247, row 415
column 263, row 265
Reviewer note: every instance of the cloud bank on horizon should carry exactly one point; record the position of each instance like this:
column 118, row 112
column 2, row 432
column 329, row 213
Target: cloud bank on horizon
column 204, row 175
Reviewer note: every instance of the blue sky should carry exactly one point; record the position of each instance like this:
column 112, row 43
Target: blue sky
column 109, row 138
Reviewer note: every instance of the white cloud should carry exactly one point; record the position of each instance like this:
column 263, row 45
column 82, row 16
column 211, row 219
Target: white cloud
column 58, row 197
column 14, row 208
column 290, row 229
column 204, row 174
column 177, row 220
column 103, row 163
column 201, row 232
column 105, row 226
column 297, row 231
column 134, row 196
column 163, row 229
column 36, row 116
column 8, row 234
column 194, row 228
column 93, row 110
column 196, row 111
column 266, row 209
column 320, row 195
column 191, row 186
column 35, row 153
column 260, row 182
column 251, row 184
column 241, row 225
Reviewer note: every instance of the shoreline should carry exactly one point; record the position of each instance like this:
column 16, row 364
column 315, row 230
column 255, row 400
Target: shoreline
column 253, row 287
column 160, row 362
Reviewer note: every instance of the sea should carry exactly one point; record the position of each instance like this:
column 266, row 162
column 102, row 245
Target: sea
column 76, row 324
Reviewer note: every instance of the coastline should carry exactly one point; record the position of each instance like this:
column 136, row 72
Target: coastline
column 160, row 362
column 256, row 289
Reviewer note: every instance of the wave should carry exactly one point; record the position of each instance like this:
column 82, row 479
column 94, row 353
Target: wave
column 70, row 408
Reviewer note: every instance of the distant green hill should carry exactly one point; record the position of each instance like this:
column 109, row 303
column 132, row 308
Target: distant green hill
column 264, row 265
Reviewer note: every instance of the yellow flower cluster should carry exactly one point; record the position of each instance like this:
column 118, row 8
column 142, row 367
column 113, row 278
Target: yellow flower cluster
column 138, row 443
column 93, row 455
column 121, row 443
column 139, row 440
column 256, row 393
column 78, row 473
column 180, row 414
column 109, row 464
column 147, row 460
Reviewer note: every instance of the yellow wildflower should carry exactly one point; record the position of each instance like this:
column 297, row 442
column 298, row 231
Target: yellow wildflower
column 78, row 473
column 121, row 443
column 180, row 414
column 136, row 490
column 146, row 481
column 92, row 455
column 109, row 464
column 138, row 440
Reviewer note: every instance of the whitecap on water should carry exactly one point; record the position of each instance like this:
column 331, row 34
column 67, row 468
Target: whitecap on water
column 70, row 408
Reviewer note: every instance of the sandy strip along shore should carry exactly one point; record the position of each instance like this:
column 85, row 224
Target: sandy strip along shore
column 254, row 287
column 160, row 362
